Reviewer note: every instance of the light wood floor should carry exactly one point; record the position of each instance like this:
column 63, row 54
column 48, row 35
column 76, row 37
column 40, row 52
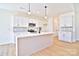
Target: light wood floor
column 59, row 48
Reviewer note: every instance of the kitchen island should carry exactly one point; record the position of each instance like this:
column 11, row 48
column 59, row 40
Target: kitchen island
column 31, row 43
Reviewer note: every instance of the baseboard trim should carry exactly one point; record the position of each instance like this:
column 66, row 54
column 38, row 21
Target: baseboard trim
column 6, row 43
column 77, row 40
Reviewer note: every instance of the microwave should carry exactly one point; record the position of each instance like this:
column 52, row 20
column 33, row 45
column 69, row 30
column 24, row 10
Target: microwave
column 31, row 24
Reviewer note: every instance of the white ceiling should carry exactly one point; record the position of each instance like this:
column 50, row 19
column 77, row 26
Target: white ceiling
column 38, row 8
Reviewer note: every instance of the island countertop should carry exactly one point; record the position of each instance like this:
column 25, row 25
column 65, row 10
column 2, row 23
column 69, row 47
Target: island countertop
column 32, row 34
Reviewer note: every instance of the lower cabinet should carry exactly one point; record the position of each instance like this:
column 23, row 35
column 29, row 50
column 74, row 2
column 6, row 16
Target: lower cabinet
column 28, row 45
column 65, row 36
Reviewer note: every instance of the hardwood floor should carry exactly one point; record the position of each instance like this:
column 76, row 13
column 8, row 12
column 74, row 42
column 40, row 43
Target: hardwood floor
column 59, row 48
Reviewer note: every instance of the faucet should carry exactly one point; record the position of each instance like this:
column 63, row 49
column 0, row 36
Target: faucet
column 39, row 29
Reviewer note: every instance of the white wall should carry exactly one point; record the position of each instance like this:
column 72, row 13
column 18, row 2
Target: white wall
column 50, row 24
column 76, row 6
column 5, row 24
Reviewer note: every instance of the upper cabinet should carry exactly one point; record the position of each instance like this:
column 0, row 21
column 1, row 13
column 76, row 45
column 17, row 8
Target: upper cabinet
column 66, row 19
column 20, row 21
column 23, row 22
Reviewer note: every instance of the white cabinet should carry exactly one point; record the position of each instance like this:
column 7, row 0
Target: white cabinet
column 66, row 27
column 62, row 22
column 65, row 36
column 66, row 20
column 30, row 44
column 68, row 36
column 24, row 21
column 20, row 21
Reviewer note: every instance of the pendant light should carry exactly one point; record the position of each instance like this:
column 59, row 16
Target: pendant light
column 29, row 11
column 45, row 12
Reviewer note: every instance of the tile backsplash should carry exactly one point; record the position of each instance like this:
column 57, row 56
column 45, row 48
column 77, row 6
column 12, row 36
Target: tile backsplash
column 19, row 29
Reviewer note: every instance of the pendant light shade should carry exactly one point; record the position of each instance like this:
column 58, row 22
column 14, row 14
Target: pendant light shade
column 45, row 12
column 45, row 17
column 29, row 11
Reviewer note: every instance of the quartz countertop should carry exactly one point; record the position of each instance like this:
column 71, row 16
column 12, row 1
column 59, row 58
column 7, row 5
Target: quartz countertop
column 32, row 34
